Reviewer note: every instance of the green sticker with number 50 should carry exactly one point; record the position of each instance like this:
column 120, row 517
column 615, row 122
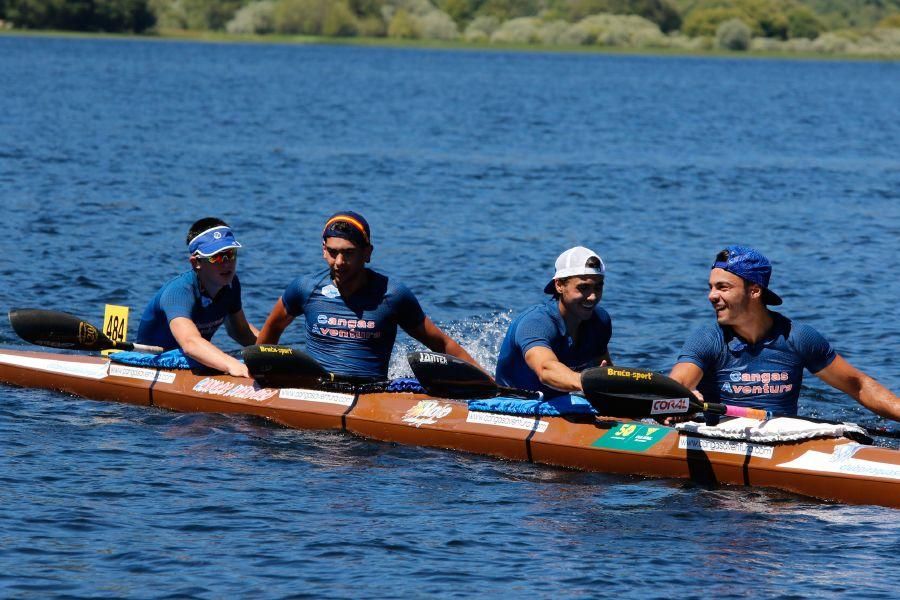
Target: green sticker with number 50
column 633, row 437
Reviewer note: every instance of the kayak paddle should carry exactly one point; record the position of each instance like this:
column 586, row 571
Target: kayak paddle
column 446, row 376
column 627, row 392
column 278, row 366
column 62, row 330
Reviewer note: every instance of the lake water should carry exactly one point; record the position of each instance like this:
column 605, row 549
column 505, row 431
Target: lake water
column 475, row 169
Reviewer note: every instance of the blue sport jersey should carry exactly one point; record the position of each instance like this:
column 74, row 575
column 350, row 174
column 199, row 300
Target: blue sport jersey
column 182, row 297
column 542, row 325
column 352, row 336
column 764, row 375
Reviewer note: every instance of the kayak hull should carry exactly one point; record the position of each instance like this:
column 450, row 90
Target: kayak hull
column 831, row 469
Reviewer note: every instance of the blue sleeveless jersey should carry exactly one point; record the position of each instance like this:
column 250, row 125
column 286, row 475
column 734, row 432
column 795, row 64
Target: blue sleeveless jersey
column 542, row 325
column 355, row 335
column 764, row 375
column 182, row 297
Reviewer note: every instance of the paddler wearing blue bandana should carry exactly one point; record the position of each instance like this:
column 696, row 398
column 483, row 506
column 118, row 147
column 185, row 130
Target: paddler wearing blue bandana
column 755, row 357
column 549, row 344
column 187, row 310
column 351, row 312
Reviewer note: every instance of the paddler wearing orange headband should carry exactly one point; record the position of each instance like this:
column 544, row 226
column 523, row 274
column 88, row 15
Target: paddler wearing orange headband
column 187, row 310
column 351, row 312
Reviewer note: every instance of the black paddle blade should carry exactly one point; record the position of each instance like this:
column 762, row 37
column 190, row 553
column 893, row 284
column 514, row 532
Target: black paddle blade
column 628, row 381
column 636, row 393
column 445, row 376
column 57, row 330
column 282, row 366
column 639, row 406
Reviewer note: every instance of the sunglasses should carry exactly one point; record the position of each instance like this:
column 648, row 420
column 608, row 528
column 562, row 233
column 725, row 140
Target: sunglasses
column 229, row 255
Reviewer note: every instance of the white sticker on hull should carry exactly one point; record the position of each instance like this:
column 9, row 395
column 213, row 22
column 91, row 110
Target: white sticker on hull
column 842, row 461
column 217, row 387
column 63, row 367
column 725, row 447
column 512, row 421
column 139, row 373
column 426, row 412
column 316, row 396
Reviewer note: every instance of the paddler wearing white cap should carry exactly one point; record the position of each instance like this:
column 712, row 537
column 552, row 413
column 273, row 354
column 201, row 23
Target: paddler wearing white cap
column 187, row 310
column 548, row 345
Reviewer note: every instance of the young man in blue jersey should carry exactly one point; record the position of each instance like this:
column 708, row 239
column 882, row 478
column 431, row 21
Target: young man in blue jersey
column 755, row 357
column 352, row 312
column 187, row 310
column 548, row 345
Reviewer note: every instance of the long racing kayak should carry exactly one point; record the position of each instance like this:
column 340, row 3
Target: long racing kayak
column 834, row 468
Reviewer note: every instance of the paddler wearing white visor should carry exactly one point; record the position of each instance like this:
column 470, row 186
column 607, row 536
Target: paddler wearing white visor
column 187, row 310
column 548, row 345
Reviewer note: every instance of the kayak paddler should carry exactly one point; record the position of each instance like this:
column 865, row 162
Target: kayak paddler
column 187, row 310
column 549, row 344
column 753, row 356
column 351, row 312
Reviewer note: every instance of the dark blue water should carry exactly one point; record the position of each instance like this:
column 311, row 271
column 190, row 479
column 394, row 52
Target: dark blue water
column 475, row 170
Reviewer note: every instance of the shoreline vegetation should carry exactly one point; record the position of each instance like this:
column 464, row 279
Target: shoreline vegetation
column 759, row 28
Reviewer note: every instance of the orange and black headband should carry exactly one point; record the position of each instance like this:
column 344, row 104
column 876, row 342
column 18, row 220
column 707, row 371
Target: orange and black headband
column 358, row 232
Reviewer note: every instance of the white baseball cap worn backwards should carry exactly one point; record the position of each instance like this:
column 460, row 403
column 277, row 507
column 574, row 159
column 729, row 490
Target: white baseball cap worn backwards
column 576, row 261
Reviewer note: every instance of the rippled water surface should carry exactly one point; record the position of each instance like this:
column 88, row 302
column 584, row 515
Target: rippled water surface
column 475, row 170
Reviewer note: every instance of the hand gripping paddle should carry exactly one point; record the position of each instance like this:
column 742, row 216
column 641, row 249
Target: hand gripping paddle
column 637, row 393
column 277, row 366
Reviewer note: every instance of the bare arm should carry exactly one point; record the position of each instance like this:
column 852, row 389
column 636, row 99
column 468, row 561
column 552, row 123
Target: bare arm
column 240, row 329
column 552, row 373
column 275, row 325
column 192, row 343
column 431, row 335
column 688, row 375
column 842, row 375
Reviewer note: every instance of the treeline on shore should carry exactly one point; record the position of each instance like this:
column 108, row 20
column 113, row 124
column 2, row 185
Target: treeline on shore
column 832, row 26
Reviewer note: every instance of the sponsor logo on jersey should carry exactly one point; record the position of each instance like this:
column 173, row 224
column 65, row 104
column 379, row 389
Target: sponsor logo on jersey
column 329, row 291
column 343, row 327
column 754, row 384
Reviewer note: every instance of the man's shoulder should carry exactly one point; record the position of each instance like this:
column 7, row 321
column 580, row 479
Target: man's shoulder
column 800, row 334
column 307, row 283
column 545, row 313
column 709, row 334
column 602, row 315
column 381, row 282
column 186, row 281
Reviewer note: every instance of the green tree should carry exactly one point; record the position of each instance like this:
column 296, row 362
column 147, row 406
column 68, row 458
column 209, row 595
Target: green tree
column 890, row 21
column 196, row 15
column 461, row 11
column 402, row 26
column 80, row 15
column 509, row 9
column 803, row 23
column 733, row 34
column 662, row 12
column 339, row 21
column 705, row 21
